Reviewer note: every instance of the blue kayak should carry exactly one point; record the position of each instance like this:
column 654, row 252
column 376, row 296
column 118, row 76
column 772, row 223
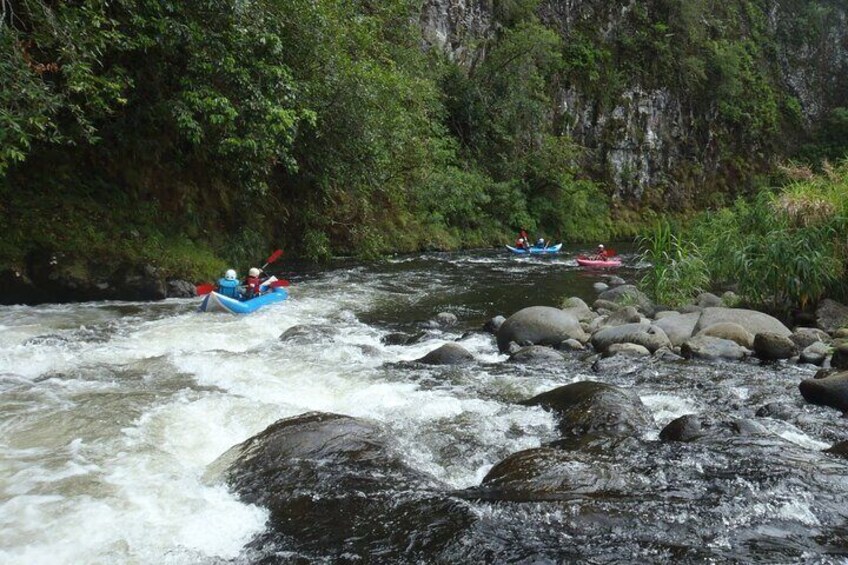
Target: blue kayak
column 214, row 302
column 535, row 250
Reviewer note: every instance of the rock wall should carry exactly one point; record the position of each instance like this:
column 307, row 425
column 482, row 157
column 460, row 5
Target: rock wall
column 652, row 146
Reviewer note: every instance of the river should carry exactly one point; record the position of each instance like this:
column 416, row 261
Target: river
column 111, row 412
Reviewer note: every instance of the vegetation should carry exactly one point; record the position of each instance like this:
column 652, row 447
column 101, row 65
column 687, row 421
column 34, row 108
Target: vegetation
column 784, row 250
column 189, row 134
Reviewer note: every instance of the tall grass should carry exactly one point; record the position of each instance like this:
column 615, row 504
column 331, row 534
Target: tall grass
column 677, row 272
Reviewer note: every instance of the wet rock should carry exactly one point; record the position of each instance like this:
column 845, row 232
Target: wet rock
column 830, row 391
column 831, row 315
column 666, row 354
column 753, row 321
column 707, row 300
column 804, row 337
column 309, row 334
column 825, row 372
column 536, row 355
column 695, row 426
column 448, row 354
column 400, row 338
column 778, row 411
column 840, row 356
column 596, row 408
column 335, row 486
column 648, row 336
column 678, row 327
column 446, row 320
column 144, row 283
column 570, row 345
column 601, row 305
column 626, row 315
column 840, row 449
column 614, row 280
column 178, row 288
column 710, row 348
column 494, row 324
column 599, row 287
column 628, row 350
column 773, row 347
column 732, row 331
column 628, row 294
column 540, row 325
column 815, row 353
column 512, row 347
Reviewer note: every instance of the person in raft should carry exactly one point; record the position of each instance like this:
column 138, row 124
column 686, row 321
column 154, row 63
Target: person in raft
column 252, row 283
column 540, row 242
column 229, row 285
column 525, row 239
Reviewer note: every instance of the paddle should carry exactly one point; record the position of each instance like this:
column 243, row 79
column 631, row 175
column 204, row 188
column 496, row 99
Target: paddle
column 206, row 288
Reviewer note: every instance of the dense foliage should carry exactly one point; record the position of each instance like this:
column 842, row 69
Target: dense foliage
column 178, row 133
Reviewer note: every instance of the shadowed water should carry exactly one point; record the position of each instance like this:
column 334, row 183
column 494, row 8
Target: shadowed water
column 111, row 413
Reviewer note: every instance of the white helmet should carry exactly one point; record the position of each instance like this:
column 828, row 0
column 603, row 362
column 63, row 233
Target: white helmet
column 600, row 246
column 520, row 240
column 230, row 275
column 254, row 272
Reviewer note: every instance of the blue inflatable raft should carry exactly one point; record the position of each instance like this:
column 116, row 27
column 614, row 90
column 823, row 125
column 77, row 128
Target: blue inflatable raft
column 214, row 302
column 535, row 250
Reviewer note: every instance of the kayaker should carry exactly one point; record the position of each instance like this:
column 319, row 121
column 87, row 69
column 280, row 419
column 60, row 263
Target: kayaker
column 519, row 243
column 540, row 242
column 252, row 282
column 525, row 239
column 229, row 285
column 600, row 253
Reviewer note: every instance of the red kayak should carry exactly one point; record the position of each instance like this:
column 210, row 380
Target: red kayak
column 584, row 261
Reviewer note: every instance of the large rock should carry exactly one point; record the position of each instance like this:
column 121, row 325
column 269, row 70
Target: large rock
column 536, row 355
column 815, row 353
column 706, row 347
column 772, row 347
column 732, row 331
column 831, row 315
column 830, row 391
column 627, row 294
column 336, row 487
column 707, row 300
column 678, row 327
column 840, row 356
column 178, row 288
column 494, row 324
column 540, row 325
column 579, row 309
column 753, row 321
column 804, row 337
column 628, row 350
column 695, row 426
column 590, row 407
column 626, row 315
column 646, row 335
column 141, row 283
column 306, row 334
column 448, row 354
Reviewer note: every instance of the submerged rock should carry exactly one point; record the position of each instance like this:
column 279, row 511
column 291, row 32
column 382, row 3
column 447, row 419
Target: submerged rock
column 590, row 407
column 448, row 354
column 536, row 355
column 336, row 488
column 304, row 334
column 540, row 325
column 446, row 320
column 695, row 426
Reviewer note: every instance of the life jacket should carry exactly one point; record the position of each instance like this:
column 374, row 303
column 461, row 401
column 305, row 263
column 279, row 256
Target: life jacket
column 252, row 284
column 229, row 288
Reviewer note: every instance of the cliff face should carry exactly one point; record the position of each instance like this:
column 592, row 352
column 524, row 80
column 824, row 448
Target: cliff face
column 652, row 140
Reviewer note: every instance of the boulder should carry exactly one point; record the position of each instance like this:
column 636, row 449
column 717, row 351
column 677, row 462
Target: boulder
column 706, row 347
column 666, row 354
column 772, row 347
column 690, row 309
column 804, row 337
column 448, row 354
column 446, row 320
column 678, row 327
column 399, row 338
column 628, row 350
column 626, row 315
column 309, row 334
column 336, row 487
column 831, row 315
column 732, row 331
column 570, row 345
column 815, row 353
column 589, row 407
column 695, row 426
column 579, row 309
column 707, row 300
column 535, row 355
column 494, row 324
column 649, row 336
column 840, row 356
column 627, row 294
column 830, row 391
column 614, row 280
column 660, row 314
column 599, row 287
column 141, row 283
column 753, row 321
column 605, row 305
column 178, row 288
column 540, row 325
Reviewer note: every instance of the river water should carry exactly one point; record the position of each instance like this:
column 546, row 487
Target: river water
column 111, row 412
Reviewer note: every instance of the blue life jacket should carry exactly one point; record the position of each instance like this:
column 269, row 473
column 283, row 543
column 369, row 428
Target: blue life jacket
column 229, row 288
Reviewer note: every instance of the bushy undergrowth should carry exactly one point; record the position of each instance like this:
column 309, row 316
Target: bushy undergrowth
column 677, row 272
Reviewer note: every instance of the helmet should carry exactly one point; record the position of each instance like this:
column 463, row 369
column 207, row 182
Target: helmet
column 520, row 240
column 254, row 272
column 230, row 275
column 600, row 246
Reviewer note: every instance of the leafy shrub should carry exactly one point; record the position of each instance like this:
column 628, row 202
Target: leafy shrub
column 677, row 273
